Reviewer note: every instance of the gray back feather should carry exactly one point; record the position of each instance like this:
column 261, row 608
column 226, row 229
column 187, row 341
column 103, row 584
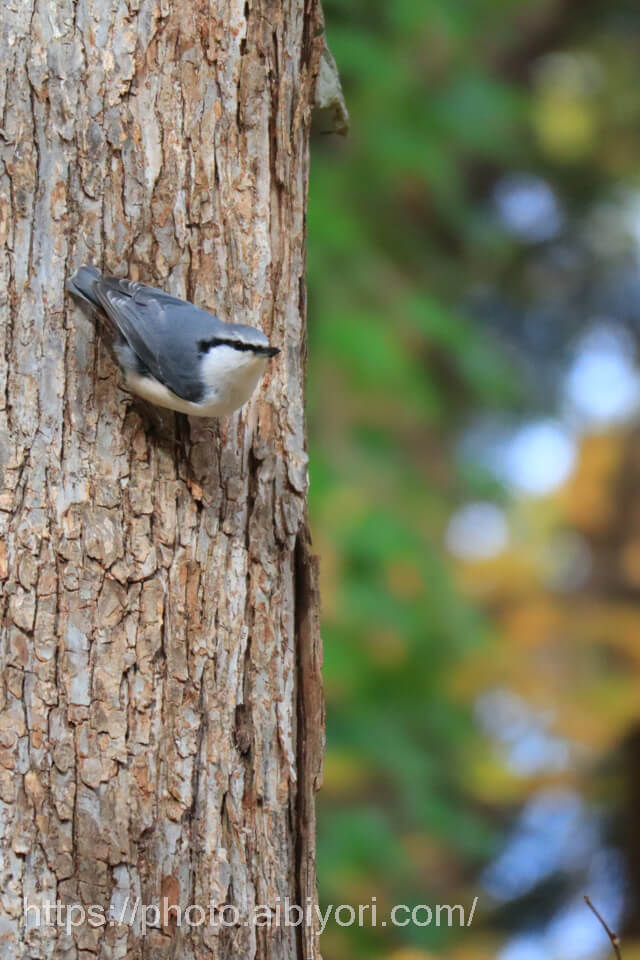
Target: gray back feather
column 163, row 331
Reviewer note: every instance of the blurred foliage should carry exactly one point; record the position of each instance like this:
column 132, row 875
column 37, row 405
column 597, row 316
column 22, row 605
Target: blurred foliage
column 395, row 360
column 408, row 340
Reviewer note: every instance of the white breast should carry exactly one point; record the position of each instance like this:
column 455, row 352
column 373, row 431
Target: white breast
column 230, row 377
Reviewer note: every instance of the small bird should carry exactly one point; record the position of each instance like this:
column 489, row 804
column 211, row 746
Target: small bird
column 171, row 352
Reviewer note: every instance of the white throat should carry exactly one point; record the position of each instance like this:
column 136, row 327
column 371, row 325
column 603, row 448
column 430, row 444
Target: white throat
column 231, row 376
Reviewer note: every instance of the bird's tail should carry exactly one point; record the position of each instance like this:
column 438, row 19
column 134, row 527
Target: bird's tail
column 81, row 284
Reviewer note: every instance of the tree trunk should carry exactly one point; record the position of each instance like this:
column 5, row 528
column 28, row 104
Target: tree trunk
column 161, row 713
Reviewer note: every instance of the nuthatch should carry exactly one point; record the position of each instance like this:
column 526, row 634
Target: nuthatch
column 172, row 352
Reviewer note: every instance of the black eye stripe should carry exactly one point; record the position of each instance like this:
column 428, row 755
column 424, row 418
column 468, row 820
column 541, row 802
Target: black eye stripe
column 258, row 349
column 205, row 345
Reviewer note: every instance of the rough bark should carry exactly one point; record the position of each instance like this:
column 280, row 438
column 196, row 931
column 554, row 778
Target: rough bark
column 161, row 713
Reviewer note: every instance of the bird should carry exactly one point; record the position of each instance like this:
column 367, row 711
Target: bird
column 171, row 352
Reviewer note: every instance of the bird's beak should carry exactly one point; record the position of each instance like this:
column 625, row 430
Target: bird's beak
column 271, row 351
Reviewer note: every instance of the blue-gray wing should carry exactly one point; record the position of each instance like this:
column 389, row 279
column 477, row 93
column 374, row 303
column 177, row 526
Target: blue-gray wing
column 163, row 331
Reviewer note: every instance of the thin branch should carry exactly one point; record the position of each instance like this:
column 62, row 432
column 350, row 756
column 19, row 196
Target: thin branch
column 613, row 937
